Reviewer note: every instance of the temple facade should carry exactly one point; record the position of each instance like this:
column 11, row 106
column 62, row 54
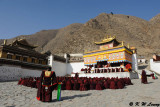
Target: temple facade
column 111, row 53
column 19, row 59
column 112, row 58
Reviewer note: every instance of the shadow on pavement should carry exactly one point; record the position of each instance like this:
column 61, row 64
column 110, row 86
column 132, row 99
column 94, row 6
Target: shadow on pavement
column 72, row 97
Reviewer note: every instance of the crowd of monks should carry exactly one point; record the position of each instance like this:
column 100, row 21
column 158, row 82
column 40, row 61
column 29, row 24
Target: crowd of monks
column 48, row 82
column 81, row 83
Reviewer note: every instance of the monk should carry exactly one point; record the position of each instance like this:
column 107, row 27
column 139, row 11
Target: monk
column 46, row 86
column 144, row 77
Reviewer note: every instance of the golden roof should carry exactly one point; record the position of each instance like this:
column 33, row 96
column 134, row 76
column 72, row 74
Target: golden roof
column 23, row 42
column 132, row 47
column 108, row 39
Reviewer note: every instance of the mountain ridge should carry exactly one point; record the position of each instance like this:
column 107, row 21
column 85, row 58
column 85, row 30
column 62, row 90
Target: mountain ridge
column 78, row 38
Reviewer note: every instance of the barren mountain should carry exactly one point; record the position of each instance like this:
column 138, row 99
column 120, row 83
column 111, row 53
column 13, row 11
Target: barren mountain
column 77, row 38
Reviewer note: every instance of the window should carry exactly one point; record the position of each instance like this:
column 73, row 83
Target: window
column 9, row 56
column 25, row 59
column 33, row 60
column 17, row 57
column 40, row 62
column 48, row 61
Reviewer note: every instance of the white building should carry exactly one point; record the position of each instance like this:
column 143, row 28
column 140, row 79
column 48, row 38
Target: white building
column 155, row 64
column 67, row 64
column 19, row 60
column 141, row 60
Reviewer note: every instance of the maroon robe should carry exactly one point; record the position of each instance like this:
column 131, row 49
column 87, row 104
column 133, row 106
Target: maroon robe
column 144, row 77
column 46, row 86
column 19, row 82
column 99, row 85
column 120, row 84
column 113, row 85
column 68, row 85
column 106, row 84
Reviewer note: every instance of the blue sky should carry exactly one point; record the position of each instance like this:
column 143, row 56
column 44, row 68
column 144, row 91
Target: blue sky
column 24, row 17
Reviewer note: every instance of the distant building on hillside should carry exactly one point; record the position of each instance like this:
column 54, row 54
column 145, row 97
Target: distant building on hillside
column 141, row 60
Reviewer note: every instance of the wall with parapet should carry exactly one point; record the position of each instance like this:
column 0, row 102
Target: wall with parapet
column 155, row 66
column 110, row 75
column 13, row 73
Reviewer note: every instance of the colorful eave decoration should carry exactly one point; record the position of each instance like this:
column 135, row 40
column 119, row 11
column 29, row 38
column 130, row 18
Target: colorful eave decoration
column 112, row 55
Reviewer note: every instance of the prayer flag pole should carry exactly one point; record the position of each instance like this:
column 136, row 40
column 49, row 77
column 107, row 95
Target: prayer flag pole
column 59, row 91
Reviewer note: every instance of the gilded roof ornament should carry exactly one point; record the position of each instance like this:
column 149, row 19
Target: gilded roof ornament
column 105, row 40
column 5, row 42
column 128, row 45
column 122, row 43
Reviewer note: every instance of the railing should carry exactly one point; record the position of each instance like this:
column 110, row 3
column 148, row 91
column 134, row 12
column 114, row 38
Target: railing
column 104, row 70
column 108, row 70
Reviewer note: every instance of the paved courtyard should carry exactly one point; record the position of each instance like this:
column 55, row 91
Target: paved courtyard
column 13, row 95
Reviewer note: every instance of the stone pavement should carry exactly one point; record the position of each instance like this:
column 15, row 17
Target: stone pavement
column 13, row 95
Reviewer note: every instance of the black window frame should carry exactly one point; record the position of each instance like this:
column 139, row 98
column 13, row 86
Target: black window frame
column 40, row 61
column 18, row 57
column 9, row 56
column 33, row 60
column 25, row 59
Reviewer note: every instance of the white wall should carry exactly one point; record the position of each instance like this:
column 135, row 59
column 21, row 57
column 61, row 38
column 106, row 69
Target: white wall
column 110, row 75
column 141, row 60
column 31, row 73
column 50, row 60
column 155, row 66
column 8, row 73
column 59, row 68
column 75, row 67
column 134, row 62
column 62, row 69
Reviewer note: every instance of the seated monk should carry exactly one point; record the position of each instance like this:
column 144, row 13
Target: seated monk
column 113, row 85
column 92, row 85
column 19, row 82
column 99, row 85
column 63, row 86
column 120, row 84
column 128, row 81
column 83, row 87
column 106, row 84
column 68, row 85
column 76, row 85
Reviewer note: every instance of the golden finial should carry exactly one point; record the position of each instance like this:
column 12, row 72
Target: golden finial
column 128, row 45
column 5, row 41
column 122, row 43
